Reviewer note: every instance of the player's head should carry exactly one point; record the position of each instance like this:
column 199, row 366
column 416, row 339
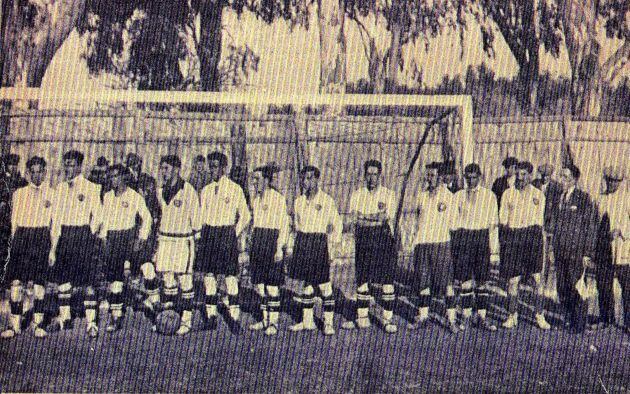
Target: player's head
column 472, row 174
column 613, row 178
column 217, row 163
column 72, row 164
column 524, row 170
column 372, row 170
column 134, row 162
column 262, row 178
column 545, row 171
column 118, row 176
column 309, row 177
column 569, row 176
column 510, row 164
column 36, row 170
column 102, row 163
column 432, row 174
column 11, row 162
column 170, row 166
column 199, row 164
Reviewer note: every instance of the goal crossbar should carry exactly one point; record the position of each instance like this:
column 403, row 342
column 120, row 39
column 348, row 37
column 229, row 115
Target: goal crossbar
column 462, row 102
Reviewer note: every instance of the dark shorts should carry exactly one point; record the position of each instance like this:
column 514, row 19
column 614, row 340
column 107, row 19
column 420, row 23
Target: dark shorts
column 28, row 261
column 521, row 251
column 262, row 265
column 471, row 255
column 433, row 268
column 375, row 255
column 146, row 253
column 76, row 261
column 120, row 249
column 218, row 251
column 310, row 259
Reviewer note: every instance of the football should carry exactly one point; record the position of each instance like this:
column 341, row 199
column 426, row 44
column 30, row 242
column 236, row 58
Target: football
column 167, row 322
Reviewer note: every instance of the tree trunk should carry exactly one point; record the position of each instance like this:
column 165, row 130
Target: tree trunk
column 31, row 35
column 211, row 15
column 579, row 22
column 332, row 42
column 395, row 55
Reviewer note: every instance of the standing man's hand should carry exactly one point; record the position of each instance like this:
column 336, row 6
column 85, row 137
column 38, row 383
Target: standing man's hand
column 278, row 256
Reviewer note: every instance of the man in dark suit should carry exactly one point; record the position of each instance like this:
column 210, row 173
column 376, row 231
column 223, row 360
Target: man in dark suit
column 507, row 180
column 610, row 202
column 573, row 223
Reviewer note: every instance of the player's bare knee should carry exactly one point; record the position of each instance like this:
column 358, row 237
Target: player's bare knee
column 388, row 289
column 116, row 287
column 148, row 271
column 39, row 292
column 364, row 288
column 64, row 288
column 231, row 284
column 260, row 289
column 185, row 282
column 169, row 280
column 89, row 291
column 273, row 291
column 210, row 284
column 16, row 291
column 468, row 285
column 450, row 292
column 308, row 290
column 425, row 292
column 326, row 289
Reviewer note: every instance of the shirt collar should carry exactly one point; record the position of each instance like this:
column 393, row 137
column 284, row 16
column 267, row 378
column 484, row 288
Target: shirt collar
column 570, row 191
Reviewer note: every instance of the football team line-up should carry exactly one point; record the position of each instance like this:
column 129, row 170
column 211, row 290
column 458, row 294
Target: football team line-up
column 167, row 233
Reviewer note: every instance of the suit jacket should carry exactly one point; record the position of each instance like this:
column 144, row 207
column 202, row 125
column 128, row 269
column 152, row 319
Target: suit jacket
column 553, row 193
column 574, row 225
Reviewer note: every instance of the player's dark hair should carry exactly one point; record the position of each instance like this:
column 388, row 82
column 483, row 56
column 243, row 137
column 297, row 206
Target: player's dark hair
column 218, row 156
column 102, row 162
column 122, row 170
column 525, row 165
column 74, row 155
column 199, row 159
column 575, row 172
column 133, row 158
column 373, row 163
column 172, row 160
column 510, row 161
column 266, row 172
column 310, row 168
column 472, row 169
column 34, row 161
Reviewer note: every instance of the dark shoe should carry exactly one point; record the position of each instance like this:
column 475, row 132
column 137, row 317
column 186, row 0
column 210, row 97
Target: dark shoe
column 234, row 326
column 114, row 325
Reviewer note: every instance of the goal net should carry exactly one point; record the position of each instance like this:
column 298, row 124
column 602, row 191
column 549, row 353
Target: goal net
column 337, row 133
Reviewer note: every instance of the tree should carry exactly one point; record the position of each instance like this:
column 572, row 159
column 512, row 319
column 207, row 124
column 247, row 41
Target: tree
column 580, row 23
column 332, row 46
column 406, row 22
column 32, row 32
column 526, row 25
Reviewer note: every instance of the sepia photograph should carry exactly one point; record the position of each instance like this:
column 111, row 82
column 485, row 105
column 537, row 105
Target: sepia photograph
column 307, row 196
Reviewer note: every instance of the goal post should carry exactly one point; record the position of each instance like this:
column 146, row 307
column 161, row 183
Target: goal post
column 336, row 132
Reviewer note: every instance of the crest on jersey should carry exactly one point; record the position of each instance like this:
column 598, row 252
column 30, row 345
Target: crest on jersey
column 81, row 197
column 536, row 201
column 441, row 207
column 227, row 200
column 265, row 207
column 125, row 204
column 381, row 206
column 318, row 207
column 178, row 203
column 47, row 204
